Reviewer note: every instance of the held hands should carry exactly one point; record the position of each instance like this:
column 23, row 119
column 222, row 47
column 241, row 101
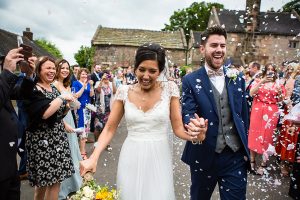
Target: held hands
column 197, row 129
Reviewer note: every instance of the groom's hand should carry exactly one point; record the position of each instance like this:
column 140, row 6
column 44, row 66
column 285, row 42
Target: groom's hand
column 197, row 128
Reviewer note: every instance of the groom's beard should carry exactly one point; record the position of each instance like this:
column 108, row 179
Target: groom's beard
column 213, row 62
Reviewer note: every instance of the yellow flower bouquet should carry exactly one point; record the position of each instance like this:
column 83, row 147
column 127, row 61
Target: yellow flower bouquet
column 90, row 190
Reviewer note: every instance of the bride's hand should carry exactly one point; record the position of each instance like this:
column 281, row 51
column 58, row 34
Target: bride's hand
column 87, row 165
column 197, row 128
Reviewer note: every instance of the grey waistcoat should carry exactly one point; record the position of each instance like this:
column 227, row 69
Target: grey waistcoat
column 227, row 133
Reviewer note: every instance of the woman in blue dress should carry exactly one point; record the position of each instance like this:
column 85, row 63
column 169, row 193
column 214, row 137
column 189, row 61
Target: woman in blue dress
column 84, row 91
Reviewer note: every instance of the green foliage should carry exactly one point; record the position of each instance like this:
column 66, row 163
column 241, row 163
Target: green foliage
column 84, row 56
column 49, row 46
column 295, row 4
column 194, row 18
column 183, row 70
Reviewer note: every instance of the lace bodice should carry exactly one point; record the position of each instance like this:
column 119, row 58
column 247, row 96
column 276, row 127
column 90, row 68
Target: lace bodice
column 153, row 123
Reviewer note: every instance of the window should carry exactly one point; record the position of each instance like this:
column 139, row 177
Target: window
column 294, row 44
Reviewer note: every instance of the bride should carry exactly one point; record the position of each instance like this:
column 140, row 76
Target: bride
column 145, row 163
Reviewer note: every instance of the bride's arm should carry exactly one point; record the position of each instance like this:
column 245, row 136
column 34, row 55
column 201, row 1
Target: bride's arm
column 199, row 125
column 105, row 137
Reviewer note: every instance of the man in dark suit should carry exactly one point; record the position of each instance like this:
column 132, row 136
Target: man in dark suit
column 97, row 74
column 9, row 123
column 217, row 94
column 76, row 68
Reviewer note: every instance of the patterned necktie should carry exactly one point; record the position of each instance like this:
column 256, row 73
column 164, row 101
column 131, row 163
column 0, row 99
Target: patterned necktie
column 212, row 73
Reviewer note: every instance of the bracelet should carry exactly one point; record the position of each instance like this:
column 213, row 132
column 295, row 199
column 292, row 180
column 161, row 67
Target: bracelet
column 63, row 100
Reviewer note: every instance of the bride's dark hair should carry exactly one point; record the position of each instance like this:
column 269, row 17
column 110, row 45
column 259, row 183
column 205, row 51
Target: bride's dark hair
column 150, row 51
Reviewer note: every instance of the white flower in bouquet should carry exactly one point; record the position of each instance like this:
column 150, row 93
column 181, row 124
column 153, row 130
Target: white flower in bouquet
column 232, row 73
column 85, row 198
column 88, row 192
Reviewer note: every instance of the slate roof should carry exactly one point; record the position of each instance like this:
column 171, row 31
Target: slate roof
column 8, row 41
column 196, row 38
column 136, row 37
column 276, row 23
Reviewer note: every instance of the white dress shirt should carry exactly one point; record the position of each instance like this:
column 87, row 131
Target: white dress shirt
column 217, row 81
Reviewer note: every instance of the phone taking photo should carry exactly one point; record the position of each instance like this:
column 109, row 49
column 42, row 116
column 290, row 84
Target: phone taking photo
column 27, row 53
column 270, row 74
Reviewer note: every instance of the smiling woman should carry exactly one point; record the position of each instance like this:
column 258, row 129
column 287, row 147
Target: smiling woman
column 49, row 159
column 145, row 164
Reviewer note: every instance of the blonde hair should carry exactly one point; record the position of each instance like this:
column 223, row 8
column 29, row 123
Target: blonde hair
column 296, row 71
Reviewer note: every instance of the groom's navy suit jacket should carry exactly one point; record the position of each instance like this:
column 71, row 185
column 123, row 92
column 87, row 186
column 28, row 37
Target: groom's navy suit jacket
column 198, row 98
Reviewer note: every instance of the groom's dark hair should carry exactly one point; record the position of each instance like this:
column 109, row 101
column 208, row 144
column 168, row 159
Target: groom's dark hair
column 150, row 51
column 214, row 30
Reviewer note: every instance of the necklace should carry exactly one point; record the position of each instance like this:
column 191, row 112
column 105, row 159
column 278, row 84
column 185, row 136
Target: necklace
column 46, row 88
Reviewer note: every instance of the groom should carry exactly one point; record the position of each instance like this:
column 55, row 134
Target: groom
column 223, row 157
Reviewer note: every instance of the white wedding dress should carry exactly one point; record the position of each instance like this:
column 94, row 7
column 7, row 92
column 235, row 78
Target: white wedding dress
column 145, row 169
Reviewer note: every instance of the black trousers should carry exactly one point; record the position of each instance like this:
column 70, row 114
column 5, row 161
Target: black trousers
column 10, row 188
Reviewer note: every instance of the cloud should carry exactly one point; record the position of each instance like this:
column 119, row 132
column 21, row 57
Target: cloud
column 72, row 23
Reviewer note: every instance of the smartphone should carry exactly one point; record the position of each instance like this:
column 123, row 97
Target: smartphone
column 24, row 65
column 270, row 74
column 26, row 51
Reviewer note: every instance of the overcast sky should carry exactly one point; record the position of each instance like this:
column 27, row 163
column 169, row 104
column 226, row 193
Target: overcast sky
column 72, row 23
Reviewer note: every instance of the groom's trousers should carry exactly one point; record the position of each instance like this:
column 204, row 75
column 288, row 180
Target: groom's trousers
column 229, row 170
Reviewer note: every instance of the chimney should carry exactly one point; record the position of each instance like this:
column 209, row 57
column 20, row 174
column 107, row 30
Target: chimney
column 28, row 34
column 252, row 12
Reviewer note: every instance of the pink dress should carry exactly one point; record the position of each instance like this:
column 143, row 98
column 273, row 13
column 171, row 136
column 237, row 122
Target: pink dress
column 264, row 118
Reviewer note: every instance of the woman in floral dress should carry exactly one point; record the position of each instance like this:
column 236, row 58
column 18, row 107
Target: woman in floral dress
column 49, row 159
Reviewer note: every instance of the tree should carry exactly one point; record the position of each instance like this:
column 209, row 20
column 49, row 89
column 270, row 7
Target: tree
column 49, row 47
column 84, row 56
column 194, row 18
column 295, row 4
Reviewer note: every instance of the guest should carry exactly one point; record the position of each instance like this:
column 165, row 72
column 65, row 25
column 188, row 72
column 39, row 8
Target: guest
column 294, row 191
column 23, row 118
column 76, row 68
column 95, row 77
column 84, row 91
column 266, row 93
column 129, row 76
column 49, row 159
column 119, row 78
column 62, row 83
column 9, row 123
column 254, row 70
column 106, row 89
column 287, row 139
